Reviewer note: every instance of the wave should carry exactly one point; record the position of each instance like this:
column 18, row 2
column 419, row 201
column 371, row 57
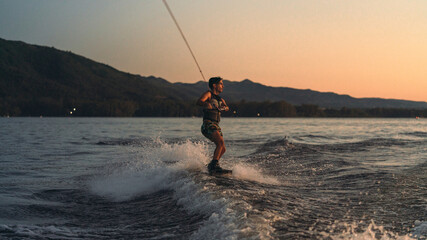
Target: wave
column 39, row 232
column 181, row 169
column 284, row 144
column 275, row 145
column 416, row 134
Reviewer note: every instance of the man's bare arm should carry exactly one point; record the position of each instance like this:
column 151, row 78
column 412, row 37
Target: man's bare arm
column 203, row 100
column 225, row 107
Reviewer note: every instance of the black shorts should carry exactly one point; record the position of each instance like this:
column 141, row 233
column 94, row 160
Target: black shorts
column 209, row 127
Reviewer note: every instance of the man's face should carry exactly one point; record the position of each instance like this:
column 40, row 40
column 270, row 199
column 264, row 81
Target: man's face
column 219, row 86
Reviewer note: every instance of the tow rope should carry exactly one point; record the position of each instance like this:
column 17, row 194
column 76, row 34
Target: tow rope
column 185, row 40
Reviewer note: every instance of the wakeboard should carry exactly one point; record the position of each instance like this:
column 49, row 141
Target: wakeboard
column 223, row 172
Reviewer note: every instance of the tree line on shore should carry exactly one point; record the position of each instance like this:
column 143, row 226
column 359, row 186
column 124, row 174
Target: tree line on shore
column 178, row 108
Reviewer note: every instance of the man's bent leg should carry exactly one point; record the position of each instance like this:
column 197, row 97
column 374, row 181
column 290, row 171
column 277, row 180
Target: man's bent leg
column 213, row 166
column 220, row 146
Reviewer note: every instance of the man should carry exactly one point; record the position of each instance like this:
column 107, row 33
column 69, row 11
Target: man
column 212, row 105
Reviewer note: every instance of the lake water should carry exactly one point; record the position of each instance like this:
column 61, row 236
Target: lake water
column 145, row 178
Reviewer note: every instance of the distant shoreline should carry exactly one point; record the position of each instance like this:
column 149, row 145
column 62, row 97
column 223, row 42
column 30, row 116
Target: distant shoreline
column 419, row 118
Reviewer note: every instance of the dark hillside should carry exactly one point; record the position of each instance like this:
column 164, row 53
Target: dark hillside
column 39, row 80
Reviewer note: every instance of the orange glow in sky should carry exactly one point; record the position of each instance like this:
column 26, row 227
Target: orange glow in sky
column 361, row 48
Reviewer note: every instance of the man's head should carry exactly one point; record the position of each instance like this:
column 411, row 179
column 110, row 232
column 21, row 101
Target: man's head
column 214, row 80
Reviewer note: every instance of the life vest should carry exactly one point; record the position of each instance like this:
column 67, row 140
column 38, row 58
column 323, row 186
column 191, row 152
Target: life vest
column 213, row 114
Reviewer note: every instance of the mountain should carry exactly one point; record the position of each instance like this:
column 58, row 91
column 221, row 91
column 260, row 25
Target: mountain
column 251, row 91
column 37, row 80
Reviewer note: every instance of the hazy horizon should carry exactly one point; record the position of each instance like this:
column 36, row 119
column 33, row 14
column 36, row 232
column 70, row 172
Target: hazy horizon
column 362, row 49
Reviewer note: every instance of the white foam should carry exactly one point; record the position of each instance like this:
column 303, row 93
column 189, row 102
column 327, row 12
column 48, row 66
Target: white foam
column 246, row 172
column 155, row 168
column 353, row 232
column 128, row 184
column 188, row 155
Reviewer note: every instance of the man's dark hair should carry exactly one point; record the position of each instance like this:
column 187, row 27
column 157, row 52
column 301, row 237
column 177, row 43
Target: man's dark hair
column 214, row 80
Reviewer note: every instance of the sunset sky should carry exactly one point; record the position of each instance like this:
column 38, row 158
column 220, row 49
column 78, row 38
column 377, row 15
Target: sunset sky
column 364, row 48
